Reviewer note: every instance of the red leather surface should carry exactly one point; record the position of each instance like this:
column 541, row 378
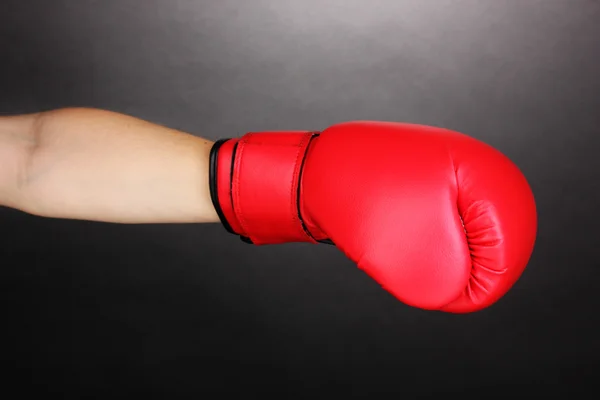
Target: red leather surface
column 442, row 221
column 264, row 186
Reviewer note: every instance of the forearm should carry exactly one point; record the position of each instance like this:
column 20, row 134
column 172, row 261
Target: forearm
column 103, row 166
column 16, row 144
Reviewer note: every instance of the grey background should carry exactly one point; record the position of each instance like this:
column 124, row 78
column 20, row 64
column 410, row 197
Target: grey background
column 102, row 310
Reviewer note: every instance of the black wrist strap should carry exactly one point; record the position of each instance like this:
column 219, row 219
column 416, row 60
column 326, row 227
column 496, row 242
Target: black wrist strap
column 212, row 183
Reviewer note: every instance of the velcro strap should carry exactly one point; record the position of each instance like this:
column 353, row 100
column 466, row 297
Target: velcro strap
column 264, row 187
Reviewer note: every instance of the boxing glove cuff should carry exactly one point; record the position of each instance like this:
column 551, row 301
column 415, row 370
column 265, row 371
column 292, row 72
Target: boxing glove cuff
column 255, row 185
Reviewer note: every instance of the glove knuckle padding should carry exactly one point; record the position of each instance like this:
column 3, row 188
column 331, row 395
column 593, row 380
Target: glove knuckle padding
column 442, row 221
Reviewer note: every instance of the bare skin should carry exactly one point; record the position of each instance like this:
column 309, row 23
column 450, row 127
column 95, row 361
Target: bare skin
column 96, row 165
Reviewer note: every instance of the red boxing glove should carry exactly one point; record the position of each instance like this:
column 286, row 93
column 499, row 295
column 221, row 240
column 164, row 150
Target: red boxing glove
column 441, row 220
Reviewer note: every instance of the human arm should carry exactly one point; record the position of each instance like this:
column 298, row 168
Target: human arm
column 97, row 165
